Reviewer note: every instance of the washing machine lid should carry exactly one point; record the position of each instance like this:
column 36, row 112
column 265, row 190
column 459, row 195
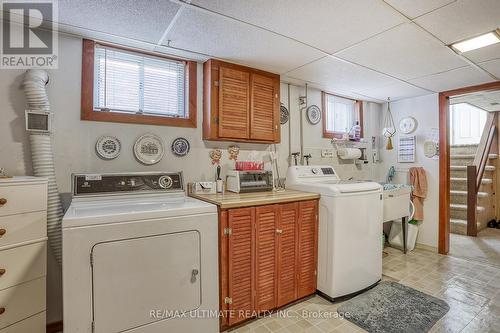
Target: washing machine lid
column 338, row 187
column 142, row 207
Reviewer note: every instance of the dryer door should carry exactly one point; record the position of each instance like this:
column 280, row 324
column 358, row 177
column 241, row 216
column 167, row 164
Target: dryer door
column 132, row 278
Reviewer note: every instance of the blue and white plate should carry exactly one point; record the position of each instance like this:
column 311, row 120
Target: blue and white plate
column 180, row 147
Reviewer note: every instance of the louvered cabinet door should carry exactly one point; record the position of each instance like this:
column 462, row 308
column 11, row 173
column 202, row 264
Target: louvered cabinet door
column 240, row 263
column 265, row 257
column 287, row 253
column 234, row 103
column 263, row 124
column 307, row 247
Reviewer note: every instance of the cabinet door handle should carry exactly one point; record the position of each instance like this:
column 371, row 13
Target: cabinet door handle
column 3, row 201
column 279, row 231
column 194, row 274
column 2, row 271
column 2, row 232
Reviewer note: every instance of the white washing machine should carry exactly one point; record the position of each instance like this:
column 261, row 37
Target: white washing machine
column 139, row 256
column 350, row 229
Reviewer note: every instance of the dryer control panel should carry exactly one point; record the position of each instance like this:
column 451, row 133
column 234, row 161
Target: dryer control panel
column 123, row 183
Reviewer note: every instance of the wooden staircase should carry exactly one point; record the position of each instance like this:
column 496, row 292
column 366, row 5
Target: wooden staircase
column 473, row 181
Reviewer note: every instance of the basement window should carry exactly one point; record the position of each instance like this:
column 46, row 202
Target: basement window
column 340, row 115
column 124, row 85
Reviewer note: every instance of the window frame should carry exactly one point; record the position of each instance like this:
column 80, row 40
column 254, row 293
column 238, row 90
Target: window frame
column 87, row 92
column 358, row 114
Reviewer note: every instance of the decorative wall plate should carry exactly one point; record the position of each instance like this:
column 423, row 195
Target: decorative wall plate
column 148, row 149
column 313, row 114
column 108, row 147
column 430, row 149
column 284, row 114
column 407, row 125
column 180, row 147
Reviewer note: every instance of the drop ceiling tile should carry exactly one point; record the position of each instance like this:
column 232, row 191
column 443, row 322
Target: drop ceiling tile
column 227, row 39
column 412, row 8
column 405, row 52
column 396, row 91
column 144, row 20
column 454, row 79
column 338, row 74
column 329, row 25
column 462, row 19
column 484, row 54
column 492, row 66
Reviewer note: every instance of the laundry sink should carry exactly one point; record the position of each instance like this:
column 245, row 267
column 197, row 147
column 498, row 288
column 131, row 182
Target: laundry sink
column 396, row 201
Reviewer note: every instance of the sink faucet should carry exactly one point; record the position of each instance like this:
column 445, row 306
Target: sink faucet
column 307, row 157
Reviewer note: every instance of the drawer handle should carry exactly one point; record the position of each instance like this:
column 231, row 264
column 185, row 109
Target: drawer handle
column 2, row 232
column 2, row 271
column 3, row 201
column 279, row 231
column 2, row 310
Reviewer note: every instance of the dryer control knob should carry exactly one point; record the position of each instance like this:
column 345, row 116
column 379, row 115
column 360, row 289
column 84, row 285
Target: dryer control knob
column 165, row 182
column 315, row 171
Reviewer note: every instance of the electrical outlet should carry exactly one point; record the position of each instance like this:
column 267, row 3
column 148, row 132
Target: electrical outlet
column 327, row 153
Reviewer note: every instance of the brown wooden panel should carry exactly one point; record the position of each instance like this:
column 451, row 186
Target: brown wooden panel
column 262, row 122
column 240, row 263
column 308, row 248
column 234, row 103
column 265, row 257
column 223, row 268
column 287, row 253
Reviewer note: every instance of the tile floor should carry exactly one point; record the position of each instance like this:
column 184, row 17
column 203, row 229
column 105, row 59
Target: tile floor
column 471, row 288
column 485, row 247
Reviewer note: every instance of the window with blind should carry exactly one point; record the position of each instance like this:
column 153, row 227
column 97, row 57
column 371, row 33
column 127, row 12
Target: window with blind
column 339, row 115
column 131, row 86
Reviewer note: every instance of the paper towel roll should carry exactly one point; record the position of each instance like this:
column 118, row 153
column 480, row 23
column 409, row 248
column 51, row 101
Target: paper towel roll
column 349, row 153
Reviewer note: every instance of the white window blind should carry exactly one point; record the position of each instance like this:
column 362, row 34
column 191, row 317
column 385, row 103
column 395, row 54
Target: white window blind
column 134, row 83
column 340, row 114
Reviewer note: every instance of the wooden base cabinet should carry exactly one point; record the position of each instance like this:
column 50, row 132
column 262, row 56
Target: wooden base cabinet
column 268, row 258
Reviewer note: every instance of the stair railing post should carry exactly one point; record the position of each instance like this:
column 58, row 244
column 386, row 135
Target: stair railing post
column 471, row 200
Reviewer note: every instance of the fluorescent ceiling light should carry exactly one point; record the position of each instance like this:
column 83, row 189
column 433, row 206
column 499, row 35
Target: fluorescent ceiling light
column 477, row 42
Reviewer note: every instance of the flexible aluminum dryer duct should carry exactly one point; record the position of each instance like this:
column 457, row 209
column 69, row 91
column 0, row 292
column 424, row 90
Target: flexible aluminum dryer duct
column 42, row 156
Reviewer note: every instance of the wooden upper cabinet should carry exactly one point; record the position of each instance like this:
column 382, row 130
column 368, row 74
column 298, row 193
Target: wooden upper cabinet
column 240, row 103
column 266, row 218
column 263, row 125
column 287, row 253
column 234, row 101
column 308, row 247
column 240, row 263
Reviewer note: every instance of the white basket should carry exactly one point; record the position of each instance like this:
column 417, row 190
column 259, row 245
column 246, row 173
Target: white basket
column 396, row 235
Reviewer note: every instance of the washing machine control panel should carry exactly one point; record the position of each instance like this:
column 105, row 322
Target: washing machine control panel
column 121, row 183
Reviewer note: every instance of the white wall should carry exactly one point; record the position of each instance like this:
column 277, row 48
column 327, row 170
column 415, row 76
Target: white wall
column 74, row 140
column 426, row 110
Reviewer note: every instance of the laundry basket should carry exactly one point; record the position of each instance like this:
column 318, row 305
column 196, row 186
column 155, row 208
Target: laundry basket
column 396, row 234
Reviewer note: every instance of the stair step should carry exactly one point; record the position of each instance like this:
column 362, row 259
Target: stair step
column 483, row 181
column 467, row 156
column 464, row 168
column 479, row 194
column 464, row 207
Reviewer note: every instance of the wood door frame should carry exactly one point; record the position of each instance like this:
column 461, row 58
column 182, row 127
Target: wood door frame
column 444, row 160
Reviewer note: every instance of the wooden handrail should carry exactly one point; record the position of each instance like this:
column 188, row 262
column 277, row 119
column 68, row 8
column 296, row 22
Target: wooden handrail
column 475, row 171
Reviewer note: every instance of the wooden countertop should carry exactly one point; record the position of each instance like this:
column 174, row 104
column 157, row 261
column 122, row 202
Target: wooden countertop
column 235, row 200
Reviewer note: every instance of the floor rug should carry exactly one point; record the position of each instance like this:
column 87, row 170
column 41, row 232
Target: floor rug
column 391, row 307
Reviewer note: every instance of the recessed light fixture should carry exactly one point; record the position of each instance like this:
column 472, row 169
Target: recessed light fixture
column 477, row 42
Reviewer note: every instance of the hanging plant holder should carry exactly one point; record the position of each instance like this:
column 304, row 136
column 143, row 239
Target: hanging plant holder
column 389, row 128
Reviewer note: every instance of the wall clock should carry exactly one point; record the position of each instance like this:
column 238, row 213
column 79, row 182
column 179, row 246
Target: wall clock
column 407, row 125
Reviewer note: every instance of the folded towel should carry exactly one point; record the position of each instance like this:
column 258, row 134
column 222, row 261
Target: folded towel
column 418, row 180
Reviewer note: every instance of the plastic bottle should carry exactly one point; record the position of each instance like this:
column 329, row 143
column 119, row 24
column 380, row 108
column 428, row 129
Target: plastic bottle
column 357, row 131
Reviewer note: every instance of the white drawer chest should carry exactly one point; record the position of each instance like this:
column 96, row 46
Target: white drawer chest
column 23, row 254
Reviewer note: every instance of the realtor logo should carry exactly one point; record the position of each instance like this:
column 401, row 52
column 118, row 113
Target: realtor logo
column 29, row 34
